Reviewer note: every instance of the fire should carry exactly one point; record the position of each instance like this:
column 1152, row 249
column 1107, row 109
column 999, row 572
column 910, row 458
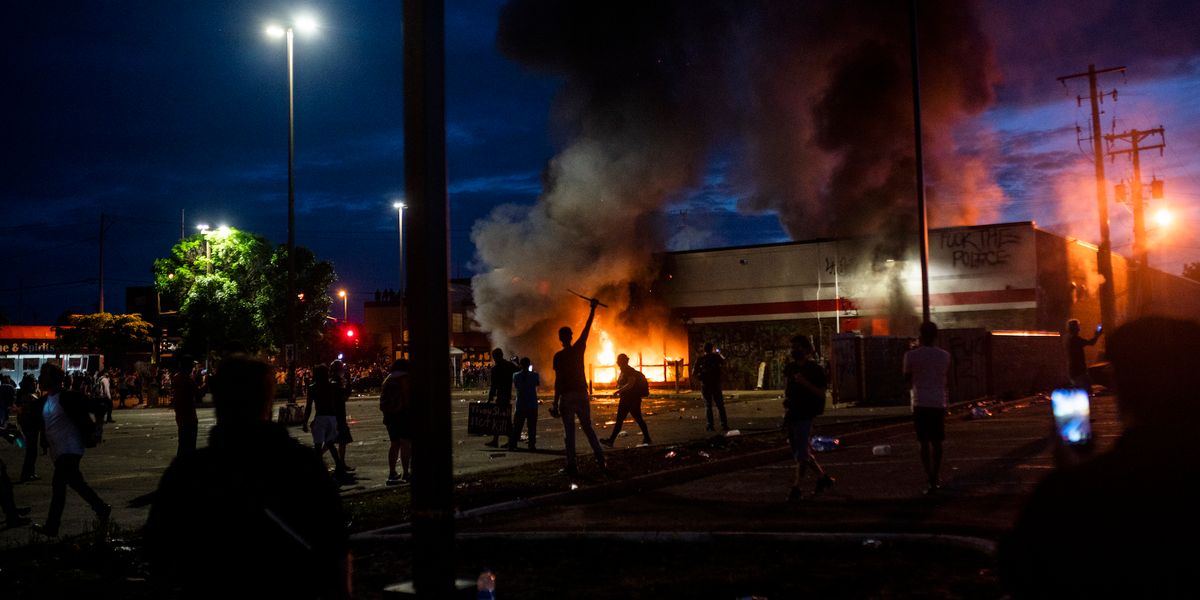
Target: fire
column 646, row 351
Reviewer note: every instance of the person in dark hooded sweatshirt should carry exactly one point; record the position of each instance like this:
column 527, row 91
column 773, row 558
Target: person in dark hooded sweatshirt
column 252, row 514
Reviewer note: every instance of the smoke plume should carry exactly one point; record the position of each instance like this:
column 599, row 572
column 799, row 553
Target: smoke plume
column 813, row 101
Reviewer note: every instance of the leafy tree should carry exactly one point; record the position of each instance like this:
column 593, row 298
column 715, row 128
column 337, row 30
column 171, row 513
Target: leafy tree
column 109, row 334
column 1192, row 271
column 231, row 289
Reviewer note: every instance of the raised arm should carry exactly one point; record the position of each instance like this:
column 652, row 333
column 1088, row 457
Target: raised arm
column 587, row 327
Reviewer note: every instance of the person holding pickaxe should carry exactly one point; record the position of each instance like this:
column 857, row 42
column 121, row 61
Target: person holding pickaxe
column 571, row 391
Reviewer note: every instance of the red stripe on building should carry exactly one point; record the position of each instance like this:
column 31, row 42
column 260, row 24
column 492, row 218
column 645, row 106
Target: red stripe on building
column 831, row 305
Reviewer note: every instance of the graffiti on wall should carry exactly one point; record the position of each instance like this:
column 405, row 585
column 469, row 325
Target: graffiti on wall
column 981, row 247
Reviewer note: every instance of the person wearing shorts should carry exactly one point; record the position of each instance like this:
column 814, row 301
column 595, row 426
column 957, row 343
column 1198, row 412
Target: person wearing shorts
column 394, row 403
column 925, row 370
column 324, row 425
column 803, row 400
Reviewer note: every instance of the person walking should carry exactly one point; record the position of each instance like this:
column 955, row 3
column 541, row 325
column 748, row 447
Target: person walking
column 1077, row 369
column 104, row 396
column 925, row 370
column 29, row 418
column 709, row 367
column 571, row 392
column 324, row 424
column 14, row 516
column 803, row 401
column 395, row 401
column 632, row 386
column 69, row 428
column 500, row 391
column 184, row 406
column 526, row 380
column 8, row 397
column 340, row 379
column 254, row 514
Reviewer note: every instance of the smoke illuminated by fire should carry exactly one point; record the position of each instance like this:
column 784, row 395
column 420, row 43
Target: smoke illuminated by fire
column 811, row 101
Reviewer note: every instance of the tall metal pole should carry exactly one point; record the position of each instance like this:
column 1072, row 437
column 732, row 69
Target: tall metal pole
column 922, row 225
column 291, row 234
column 425, row 186
column 100, row 303
column 403, row 284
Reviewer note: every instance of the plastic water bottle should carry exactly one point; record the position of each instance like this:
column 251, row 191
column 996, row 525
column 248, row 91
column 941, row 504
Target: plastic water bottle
column 822, row 443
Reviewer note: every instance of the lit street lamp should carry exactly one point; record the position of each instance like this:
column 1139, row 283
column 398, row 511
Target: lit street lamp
column 306, row 24
column 345, row 306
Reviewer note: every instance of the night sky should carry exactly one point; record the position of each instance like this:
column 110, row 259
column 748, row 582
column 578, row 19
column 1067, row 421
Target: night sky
column 141, row 110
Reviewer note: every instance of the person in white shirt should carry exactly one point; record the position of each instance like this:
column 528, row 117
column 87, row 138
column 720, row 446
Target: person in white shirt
column 925, row 371
column 62, row 412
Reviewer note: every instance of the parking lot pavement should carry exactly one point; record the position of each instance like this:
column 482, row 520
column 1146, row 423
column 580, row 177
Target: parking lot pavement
column 990, row 466
column 140, row 445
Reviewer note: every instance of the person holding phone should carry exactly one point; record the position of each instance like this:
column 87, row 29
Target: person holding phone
column 1076, row 361
column 1114, row 525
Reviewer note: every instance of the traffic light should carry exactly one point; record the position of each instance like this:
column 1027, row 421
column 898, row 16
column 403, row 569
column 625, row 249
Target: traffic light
column 347, row 335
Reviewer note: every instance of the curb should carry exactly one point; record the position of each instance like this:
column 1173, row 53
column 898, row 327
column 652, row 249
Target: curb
column 660, row 479
column 982, row 545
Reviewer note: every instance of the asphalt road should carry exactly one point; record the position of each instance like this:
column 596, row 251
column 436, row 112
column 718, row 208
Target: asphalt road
column 140, row 445
column 989, row 468
column 990, row 465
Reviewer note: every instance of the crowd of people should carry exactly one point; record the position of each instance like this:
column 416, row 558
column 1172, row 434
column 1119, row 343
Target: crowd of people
column 256, row 484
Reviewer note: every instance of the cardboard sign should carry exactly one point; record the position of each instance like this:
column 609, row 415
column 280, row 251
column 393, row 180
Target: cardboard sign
column 486, row 418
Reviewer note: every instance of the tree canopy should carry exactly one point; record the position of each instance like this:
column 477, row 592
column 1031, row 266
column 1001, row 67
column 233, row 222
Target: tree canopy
column 230, row 287
column 106, row 333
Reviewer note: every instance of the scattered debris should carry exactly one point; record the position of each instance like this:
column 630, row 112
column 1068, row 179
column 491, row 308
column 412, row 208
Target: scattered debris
column 822, row 443
column 872, row 544
column 574, row 486
column 608, row 423
column 671, row 454
column 704, row 454
column 882, row 450
column 979, row 412
column 734, row 432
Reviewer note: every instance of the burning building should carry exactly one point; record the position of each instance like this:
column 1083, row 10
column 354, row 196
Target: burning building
column 1009, row 279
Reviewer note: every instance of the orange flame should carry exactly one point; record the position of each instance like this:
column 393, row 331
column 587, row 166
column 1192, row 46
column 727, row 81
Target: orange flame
column 647, row 351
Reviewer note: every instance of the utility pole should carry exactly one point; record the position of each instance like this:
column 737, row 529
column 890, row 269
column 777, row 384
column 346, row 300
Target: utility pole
column 1140, row 254
column 922, row 222
column 1104, row 259
column 100, row 303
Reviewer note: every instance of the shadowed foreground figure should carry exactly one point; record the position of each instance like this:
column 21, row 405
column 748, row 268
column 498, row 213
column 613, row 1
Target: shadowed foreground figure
column 1123, row 524
column 252, row 515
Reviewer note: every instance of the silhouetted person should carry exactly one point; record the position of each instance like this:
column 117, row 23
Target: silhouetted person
column 14, row 516
column 183, row 404
column 321, row 395
column 395, row 401
column 339, row 378
column 1076, row 360
column 254, row 513
column 925, row 370
column 68, row 425
column 500, row 390
column 803, row 401
column 378, row 295
column 526, row 380
column 571, row 392
column 1121, row 524
column 631, row 388
column 29, row 418
column 708, row 368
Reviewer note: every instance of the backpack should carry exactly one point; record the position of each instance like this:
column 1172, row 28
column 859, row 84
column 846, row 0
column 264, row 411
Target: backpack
column 394, row 397
column 641, row 385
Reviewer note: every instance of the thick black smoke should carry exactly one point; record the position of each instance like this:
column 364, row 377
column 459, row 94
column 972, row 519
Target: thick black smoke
column 813, row 101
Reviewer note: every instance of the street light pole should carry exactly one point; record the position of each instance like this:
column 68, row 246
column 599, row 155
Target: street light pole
column 400, row 206
column 345, row 306
column 290, row 351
